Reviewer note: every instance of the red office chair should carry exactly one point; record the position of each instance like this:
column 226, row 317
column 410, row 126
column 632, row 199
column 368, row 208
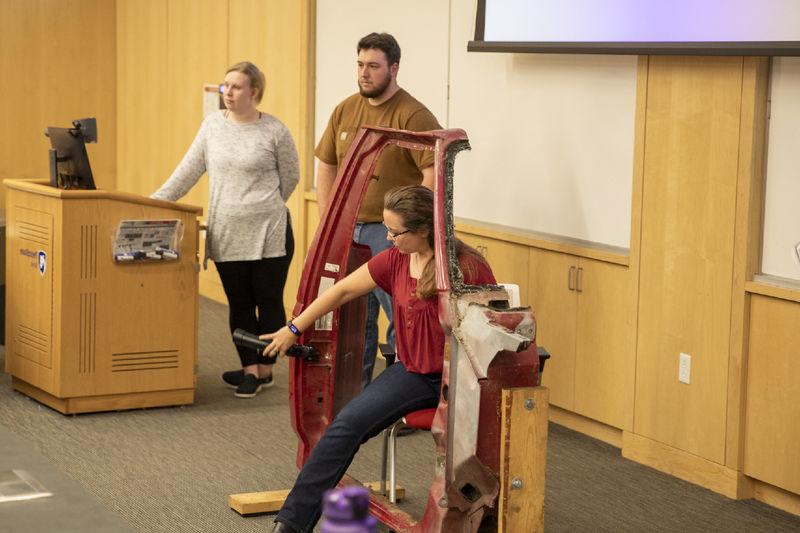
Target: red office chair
column 422, row 419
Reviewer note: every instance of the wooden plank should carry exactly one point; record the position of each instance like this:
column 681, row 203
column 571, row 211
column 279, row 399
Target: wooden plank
column 523, row 456
column 399, row 490
column 246, row 503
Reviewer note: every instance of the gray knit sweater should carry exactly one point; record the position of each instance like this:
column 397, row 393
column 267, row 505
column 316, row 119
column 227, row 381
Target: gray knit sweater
column 252, row 170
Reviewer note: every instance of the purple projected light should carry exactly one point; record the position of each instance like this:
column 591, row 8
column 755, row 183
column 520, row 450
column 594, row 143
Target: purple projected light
column 615, row 21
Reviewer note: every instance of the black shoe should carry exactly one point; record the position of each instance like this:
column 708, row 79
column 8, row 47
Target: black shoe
column 280, row 527
column 233, row 378
column 249, row 386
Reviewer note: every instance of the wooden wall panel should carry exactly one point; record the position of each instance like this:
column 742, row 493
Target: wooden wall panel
column 168, row 50
column 197, row 53
column 772, row 434
column 267, row 33
column 747, row 247
column 57, row 64
column 143, row 82
column 275, row 35
column 689, row 202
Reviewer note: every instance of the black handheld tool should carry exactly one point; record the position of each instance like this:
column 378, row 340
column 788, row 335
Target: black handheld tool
column 247, row 339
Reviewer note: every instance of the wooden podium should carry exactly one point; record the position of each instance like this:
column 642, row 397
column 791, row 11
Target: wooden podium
column 83, row 332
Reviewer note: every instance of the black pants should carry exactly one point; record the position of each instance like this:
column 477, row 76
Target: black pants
column 255, row 296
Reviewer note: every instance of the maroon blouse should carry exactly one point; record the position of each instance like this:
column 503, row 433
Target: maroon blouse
column 418, row 333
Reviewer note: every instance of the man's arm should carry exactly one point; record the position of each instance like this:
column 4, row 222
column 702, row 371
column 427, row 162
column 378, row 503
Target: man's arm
column 326, row 174
column 427, row 177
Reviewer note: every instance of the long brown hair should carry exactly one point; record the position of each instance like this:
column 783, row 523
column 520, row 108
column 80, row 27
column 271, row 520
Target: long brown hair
column 414, row 204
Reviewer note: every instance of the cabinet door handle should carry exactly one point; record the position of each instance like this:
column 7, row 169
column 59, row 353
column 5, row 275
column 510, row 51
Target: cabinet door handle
column 579, row 282
column 570, row 278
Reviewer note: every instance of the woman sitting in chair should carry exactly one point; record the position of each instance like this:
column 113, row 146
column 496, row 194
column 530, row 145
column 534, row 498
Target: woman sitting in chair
column 406, row 272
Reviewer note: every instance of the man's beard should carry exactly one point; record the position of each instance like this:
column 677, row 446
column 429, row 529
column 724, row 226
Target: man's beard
column 377, row 89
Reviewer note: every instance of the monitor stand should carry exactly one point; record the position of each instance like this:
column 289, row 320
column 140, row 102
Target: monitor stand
column 53, row 158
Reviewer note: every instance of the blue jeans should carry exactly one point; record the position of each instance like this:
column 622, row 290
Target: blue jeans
column 373, row 234
column 394, row 393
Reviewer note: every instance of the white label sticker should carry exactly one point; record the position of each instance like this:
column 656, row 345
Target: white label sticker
column 330, row 267
column 325, row 322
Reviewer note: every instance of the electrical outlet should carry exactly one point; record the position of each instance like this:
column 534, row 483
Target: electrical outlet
column 684, row 368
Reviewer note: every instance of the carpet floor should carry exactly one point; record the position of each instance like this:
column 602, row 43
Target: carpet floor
column 170, row 470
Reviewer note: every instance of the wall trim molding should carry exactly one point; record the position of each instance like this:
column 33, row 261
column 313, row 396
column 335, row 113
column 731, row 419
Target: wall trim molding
column 686, row 466
column 776, row 497
column 587, row 426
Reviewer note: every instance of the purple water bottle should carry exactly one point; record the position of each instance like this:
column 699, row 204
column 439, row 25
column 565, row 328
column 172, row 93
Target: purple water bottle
column 346, row 510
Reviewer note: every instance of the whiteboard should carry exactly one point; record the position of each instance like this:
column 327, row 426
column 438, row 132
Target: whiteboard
column 552, row 139
column 552, row 135
column 780, row 253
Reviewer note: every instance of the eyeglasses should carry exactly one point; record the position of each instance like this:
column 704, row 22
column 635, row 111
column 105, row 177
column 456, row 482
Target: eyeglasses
column 394, row 235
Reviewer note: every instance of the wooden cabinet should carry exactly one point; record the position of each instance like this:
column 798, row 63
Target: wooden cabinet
column 605, row 343
column 772, row 431
column 86, row 333
column 554, row 307
column 585, row 312
column 509, row 261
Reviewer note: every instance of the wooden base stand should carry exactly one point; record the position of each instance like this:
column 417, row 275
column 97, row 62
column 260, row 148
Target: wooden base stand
column 399, row 490
column 523, row 457
column 249, row 503
column 111, row 402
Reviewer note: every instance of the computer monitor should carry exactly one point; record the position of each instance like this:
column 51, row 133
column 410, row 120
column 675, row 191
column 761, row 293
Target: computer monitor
column 69, row 162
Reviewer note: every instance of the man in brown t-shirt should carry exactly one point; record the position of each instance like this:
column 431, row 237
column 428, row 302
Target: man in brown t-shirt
column 379, row 102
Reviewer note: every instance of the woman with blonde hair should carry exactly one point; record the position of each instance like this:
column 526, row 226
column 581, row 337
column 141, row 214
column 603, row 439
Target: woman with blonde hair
column 252, row 169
